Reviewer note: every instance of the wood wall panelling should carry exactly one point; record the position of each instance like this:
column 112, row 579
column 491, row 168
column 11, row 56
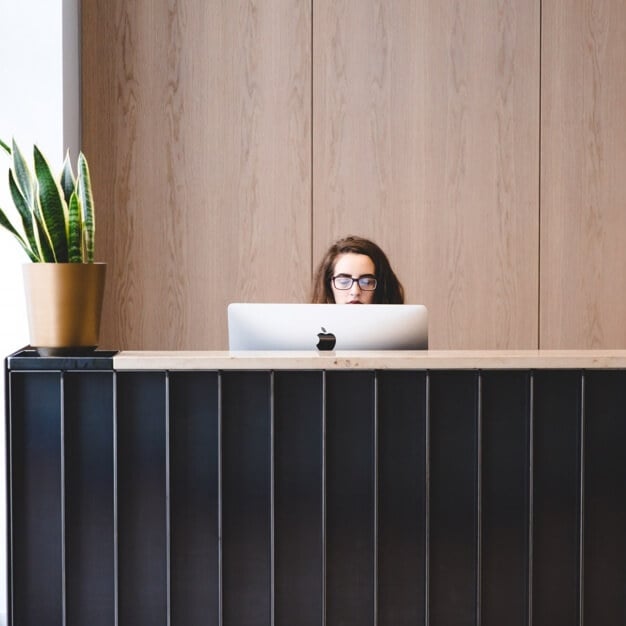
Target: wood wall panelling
column 425, row 138
column 196, row 119
column 230, row 143
column 583, row 188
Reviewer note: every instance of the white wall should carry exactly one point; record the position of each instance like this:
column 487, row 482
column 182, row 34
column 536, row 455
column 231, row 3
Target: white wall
column 39, row 75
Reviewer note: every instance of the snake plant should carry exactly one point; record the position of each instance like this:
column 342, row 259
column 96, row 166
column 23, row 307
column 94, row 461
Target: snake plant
column 57, row 214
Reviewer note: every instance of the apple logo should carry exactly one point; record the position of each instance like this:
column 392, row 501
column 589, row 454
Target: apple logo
column 326, row 340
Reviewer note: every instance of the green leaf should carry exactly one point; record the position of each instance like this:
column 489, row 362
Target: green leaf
column 43, row 237
column 67, row 182
column 4, row 221
column 25, row 213
column 23, row 176
column 86, row 200
column 75, row 252
column 4, row 146
column 52, row 206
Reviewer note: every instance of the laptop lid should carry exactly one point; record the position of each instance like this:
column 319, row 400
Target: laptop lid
column 282, row 326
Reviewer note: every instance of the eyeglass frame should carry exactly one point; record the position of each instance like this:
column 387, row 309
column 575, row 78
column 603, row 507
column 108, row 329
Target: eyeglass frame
column 354, row 280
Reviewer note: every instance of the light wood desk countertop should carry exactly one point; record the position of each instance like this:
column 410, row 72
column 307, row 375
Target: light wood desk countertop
column 363, row 360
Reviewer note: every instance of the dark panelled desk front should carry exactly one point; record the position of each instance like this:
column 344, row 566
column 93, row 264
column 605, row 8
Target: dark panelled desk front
column 311, row 497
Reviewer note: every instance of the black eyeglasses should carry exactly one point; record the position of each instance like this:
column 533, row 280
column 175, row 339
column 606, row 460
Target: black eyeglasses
column 343, row 282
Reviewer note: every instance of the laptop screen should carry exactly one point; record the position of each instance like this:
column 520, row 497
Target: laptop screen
column 264, row 326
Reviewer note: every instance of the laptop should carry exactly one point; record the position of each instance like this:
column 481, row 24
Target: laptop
column 276, row 326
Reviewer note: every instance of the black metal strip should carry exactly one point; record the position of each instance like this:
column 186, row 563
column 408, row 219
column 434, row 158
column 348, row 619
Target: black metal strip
column 324, row 496
column 376, row 498
column 531, row 482
column 8, row 386
column 116, row 546
column 581, row 557
column 272, row 500
column 479, row 495
column 63, row 501
column 220, row 492
column 168, row 504
column 427, row 507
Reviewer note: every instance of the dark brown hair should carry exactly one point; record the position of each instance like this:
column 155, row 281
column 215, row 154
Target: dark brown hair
column 389, row 289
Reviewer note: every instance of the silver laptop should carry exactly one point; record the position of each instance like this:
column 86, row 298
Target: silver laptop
column 262, row 326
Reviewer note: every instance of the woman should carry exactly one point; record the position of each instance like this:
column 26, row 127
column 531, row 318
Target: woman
column 356, row 271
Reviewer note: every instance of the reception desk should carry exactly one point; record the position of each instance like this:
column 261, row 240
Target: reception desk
column 296, row 489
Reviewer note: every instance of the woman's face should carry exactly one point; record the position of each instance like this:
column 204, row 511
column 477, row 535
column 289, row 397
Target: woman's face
column 353, row 265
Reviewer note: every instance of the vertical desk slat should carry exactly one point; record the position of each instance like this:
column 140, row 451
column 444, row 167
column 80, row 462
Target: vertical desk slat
column 246, row 498
column 401, row 498
column 298, row 497
column 604, row 590
column 350, row 498
column 141, row 494
column 36, row 503
column 193, row 501
column 89, row 524
column 505, row 515
column 453, row 498
column 556, row 502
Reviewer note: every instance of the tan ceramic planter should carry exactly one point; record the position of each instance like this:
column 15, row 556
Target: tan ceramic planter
column 64, row 304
